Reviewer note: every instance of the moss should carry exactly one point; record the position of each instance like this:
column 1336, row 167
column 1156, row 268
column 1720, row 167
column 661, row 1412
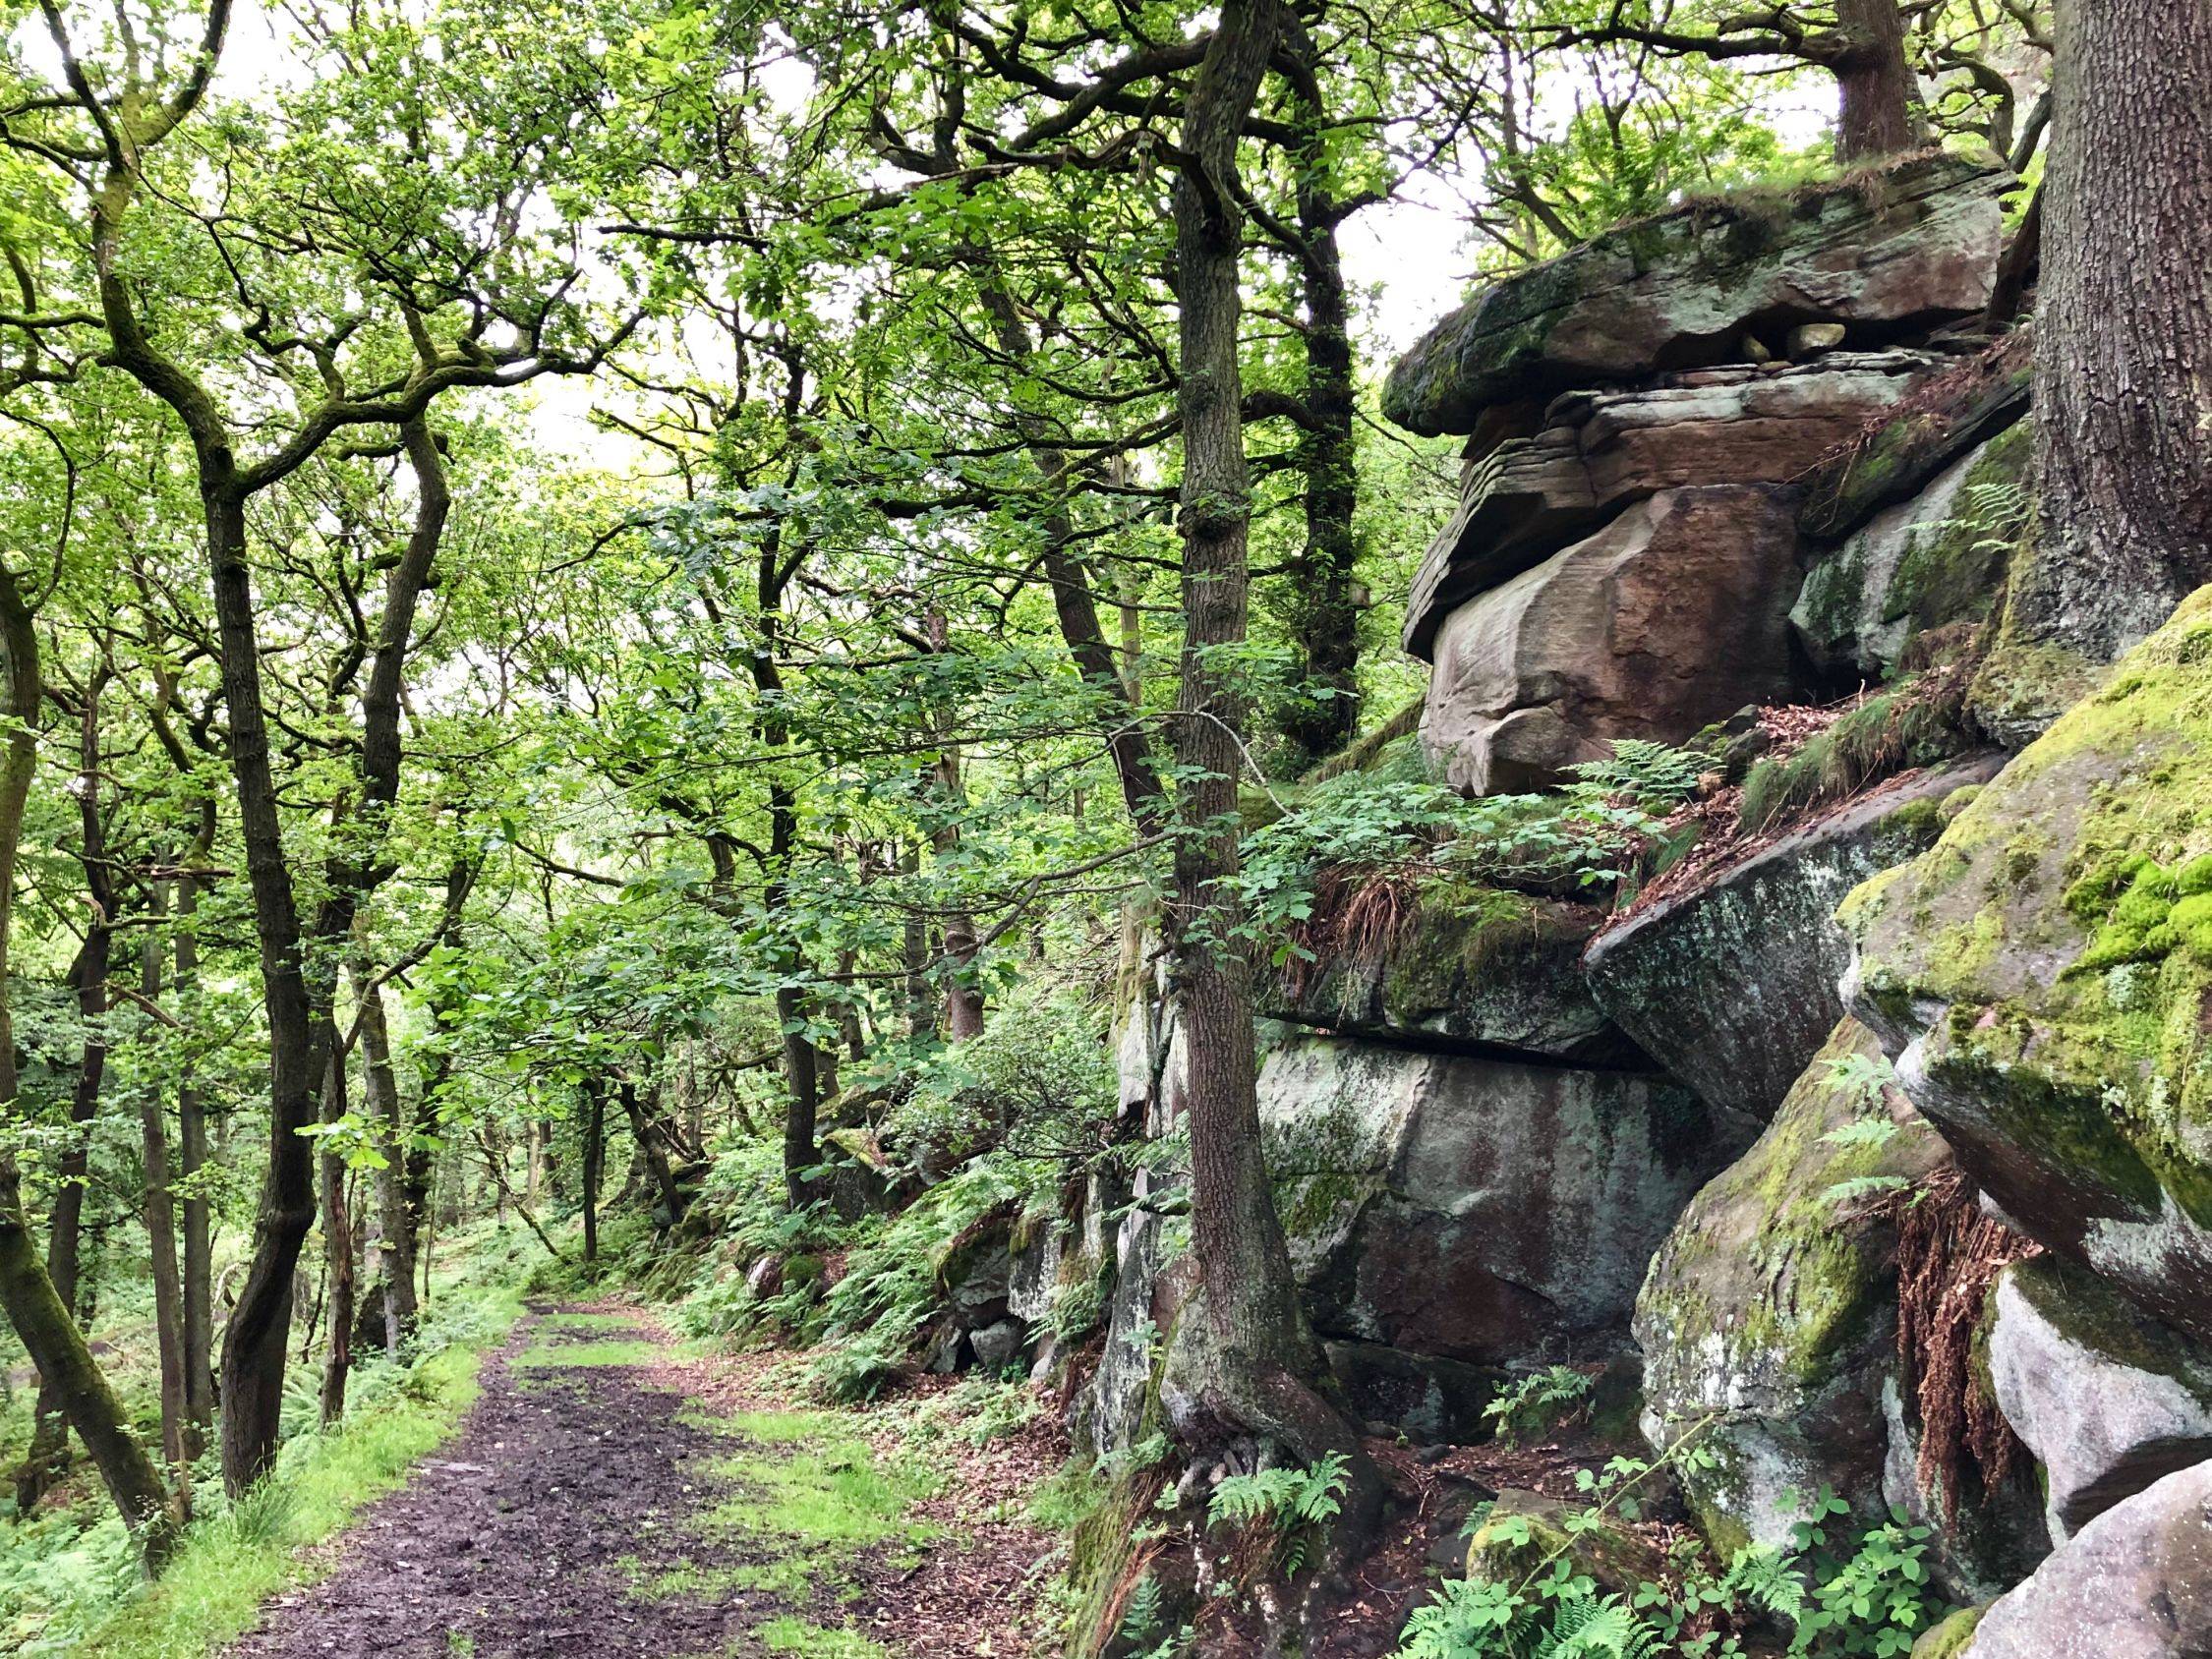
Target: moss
column 1371, row 750
column 1768, row 1267
column 1912, row 724
column 2100, row 1074
column 1952, row 571
column 1949, row 1638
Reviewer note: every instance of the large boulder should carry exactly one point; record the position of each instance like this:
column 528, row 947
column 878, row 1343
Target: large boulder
column 1770, row 1309
column 1470, row 1209
column 1672, row 616
column 2107, row 1399
column 1474, row 966
column 1882, row 253
column 1934, row 559
column 2044, row 976
column 1731, row 983
column 1527, row 494
column 2136, row 1583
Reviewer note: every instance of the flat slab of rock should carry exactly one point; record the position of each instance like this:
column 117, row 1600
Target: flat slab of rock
column 1672, row 616
column 1731, row 984
column 2108, row 1400
column 1910, row 247
column 1475, row 1210
column 2136, row 1583
column 1522, row 499
column 1477, row 968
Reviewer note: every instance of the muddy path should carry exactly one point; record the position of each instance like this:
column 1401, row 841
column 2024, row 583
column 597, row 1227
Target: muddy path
column 612, row 1495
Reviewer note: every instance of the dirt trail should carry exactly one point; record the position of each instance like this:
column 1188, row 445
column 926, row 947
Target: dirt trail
column 609, row 1496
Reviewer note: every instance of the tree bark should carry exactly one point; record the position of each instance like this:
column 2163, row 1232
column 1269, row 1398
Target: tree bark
column 594, row 1161
column 1325, row 617
column 1877, row 111
column 652, row 1146
column 48, row 1457
column 199, row 1287
column 2123, row 329
column 379, row 1092
column 1242, row 1353
column 162, row 1239
column 338, row 1240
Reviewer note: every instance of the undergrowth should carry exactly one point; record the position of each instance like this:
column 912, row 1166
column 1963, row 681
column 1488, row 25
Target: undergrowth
column 1837, row 1599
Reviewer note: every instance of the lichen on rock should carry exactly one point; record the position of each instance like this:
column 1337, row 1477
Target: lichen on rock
column 1770, row 1308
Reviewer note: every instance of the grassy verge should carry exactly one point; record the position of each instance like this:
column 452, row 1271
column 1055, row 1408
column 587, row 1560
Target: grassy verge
column 233, row 1562
column 69, row 1584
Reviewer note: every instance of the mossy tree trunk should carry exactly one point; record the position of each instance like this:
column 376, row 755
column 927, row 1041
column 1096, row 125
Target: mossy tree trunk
column 2123, row 332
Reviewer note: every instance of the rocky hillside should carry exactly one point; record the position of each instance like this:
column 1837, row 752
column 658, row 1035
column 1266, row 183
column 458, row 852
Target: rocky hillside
column 1912, row 1208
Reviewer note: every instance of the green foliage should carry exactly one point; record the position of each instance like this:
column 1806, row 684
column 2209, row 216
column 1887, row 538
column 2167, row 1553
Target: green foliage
column 1538, row 1402
column 1294, row 1504
column 1873, row 1599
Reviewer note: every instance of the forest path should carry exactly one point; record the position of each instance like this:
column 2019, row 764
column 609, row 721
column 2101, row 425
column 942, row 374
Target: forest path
column 618, row 1495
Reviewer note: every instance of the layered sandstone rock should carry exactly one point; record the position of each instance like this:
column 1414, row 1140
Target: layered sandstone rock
column 1626, row 550
column 1731, row 983
column 1476, row 1210
column 1672, row 616
column 1770, row 1310
column 1884, row 253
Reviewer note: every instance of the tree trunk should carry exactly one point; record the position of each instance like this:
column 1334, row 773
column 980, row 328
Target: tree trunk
column 337, row 1241
column 595, row 1162
column 162, row 1239
column 49, row 1441
column 40, row 1317
column 255, row 1340
column 1242, row 1352
column 1324, row 614
column 2124, row 325
column 379, row 1092
column 198, row 1232
column 653, row 1147
column 1878, row 112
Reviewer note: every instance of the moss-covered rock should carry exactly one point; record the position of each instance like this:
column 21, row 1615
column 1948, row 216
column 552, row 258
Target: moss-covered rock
column 1948, row 1637
column 1525, row 1531
column 1475, row 965
column 2036, row 975
column 1770, row 1309
column 1932, row 560
column 1914, row 242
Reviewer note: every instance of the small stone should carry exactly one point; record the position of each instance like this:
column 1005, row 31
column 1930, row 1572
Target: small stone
column 997, row 1344
column 1755, row 350
column 1809, row 339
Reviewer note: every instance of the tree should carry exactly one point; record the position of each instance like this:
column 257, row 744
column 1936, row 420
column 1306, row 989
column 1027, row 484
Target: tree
column 1860, row 42
column 1242, row 1355
column 2123, row 329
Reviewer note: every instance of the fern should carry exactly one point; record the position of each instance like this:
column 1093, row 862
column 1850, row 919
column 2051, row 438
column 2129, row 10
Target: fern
column 1538, row 1402
column 1584, row 1628
column 1296, row 1504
